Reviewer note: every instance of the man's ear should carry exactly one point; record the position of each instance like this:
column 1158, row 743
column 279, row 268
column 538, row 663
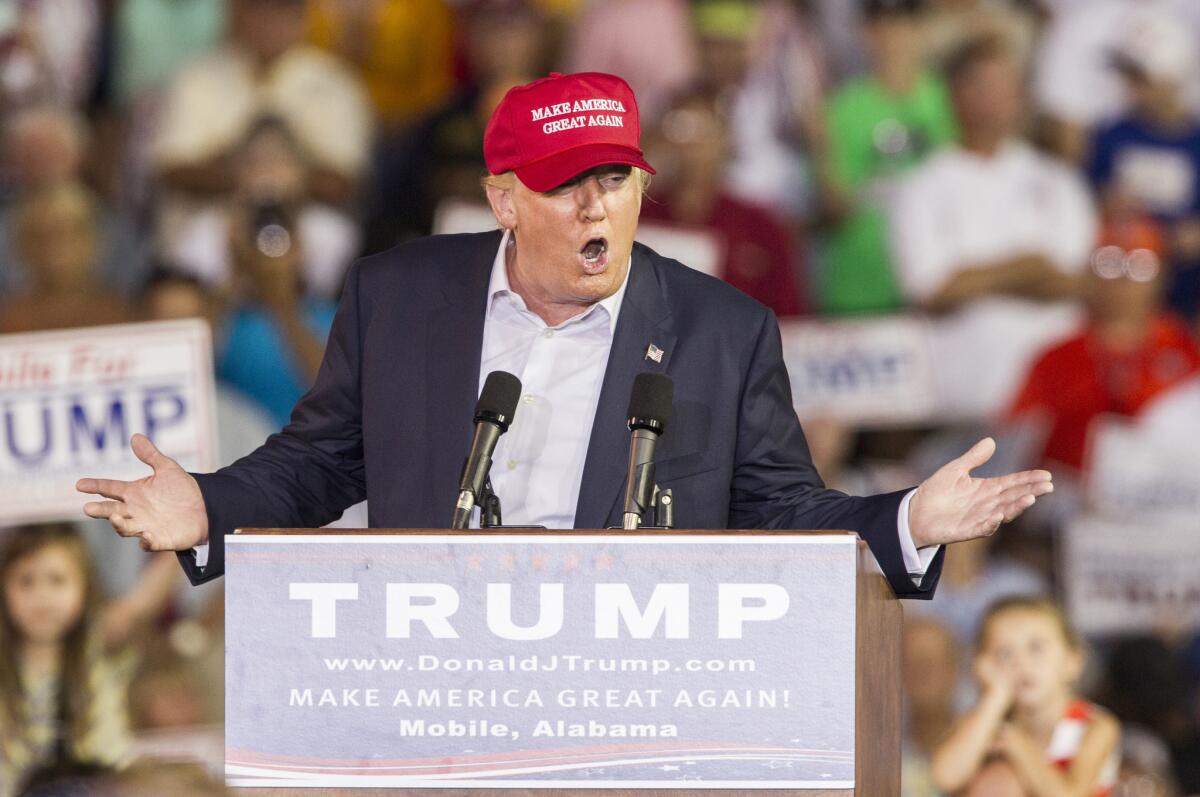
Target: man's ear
column 501, row 200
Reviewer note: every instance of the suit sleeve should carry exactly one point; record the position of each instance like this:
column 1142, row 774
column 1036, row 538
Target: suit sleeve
column 776, row 486
column 306, row 475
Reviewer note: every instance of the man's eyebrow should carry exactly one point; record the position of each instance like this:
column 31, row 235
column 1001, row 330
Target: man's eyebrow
column 573, row 181
column 621, row 168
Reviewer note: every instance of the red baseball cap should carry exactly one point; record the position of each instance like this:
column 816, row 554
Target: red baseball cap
column 552, row 129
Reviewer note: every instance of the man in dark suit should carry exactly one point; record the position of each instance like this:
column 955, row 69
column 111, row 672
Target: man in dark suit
column 563, row 297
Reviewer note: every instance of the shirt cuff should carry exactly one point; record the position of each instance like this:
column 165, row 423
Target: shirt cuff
column 201, row 552
column 916, row 562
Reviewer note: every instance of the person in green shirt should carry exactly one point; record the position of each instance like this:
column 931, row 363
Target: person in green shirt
column 879, row 126
column 154, row 38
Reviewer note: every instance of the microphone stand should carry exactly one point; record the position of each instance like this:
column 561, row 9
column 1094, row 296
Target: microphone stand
column 664, row 509
column 490, row 516
column 662, row 505
column 489, row 507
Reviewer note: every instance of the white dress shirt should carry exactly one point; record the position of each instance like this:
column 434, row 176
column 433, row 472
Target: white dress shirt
column 537, row 468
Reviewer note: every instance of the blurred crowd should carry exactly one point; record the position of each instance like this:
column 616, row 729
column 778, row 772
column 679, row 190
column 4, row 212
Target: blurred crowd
column 1025, row 174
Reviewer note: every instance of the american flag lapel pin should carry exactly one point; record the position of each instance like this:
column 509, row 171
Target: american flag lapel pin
column 654, row 353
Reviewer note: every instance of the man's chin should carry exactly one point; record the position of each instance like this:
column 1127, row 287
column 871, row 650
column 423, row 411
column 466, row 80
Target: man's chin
column 600, row 286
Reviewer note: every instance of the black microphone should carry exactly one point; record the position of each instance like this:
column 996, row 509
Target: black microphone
column 649, row 410
column 493, row 414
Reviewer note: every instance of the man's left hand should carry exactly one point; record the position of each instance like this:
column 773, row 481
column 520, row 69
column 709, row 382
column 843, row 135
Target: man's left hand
column 951, row 505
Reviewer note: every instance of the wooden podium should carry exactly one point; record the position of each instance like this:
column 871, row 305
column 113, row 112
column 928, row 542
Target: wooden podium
column 876, row 646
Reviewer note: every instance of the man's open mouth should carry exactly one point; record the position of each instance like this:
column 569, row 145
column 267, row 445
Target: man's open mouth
column 595, row 256
column 593, row 249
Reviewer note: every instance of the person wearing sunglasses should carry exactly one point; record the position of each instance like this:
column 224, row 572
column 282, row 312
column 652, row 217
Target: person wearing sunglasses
column 1130, row 350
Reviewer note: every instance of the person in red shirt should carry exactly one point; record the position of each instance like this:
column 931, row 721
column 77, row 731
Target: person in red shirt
column 757, row 253
column 1130, row 350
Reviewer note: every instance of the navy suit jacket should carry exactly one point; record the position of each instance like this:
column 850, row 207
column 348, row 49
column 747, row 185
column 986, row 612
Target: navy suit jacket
column 389, row 418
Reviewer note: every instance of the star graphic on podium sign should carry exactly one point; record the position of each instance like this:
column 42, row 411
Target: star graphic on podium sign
column 604, row 562
column 571, row 562
column 538, row 561
column 474, row 562
column 508, row 561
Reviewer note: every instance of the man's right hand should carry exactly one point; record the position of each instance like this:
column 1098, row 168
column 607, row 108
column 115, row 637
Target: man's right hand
column 165, row 510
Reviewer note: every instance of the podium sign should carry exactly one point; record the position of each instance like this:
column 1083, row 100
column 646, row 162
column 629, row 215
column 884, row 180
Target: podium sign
column 541, row 661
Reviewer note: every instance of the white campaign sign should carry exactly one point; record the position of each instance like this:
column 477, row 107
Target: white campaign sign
column 1133, row 473
column 1132, row 576
column 876, row 371
column 70, row 400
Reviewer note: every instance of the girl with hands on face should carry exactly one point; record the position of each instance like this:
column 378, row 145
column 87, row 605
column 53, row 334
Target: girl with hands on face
column 1029, row 735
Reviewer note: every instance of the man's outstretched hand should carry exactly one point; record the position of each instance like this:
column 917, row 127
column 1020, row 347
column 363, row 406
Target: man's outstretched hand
column 165, row 510
column 951, row 505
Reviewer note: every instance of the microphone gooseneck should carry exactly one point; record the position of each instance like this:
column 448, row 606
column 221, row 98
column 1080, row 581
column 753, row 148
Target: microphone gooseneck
column 650, row 406
column 493, row 415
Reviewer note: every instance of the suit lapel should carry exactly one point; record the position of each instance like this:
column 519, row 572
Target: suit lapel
column 453, row 347
column 643, row 321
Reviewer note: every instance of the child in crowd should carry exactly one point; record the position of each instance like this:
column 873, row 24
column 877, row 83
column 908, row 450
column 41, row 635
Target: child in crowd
column 65, row 656
column 1029, row 735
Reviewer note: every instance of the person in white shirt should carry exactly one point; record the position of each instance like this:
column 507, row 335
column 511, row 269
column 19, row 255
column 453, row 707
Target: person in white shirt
column 1074, row 84
column 990, row 236
column 265, row 68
